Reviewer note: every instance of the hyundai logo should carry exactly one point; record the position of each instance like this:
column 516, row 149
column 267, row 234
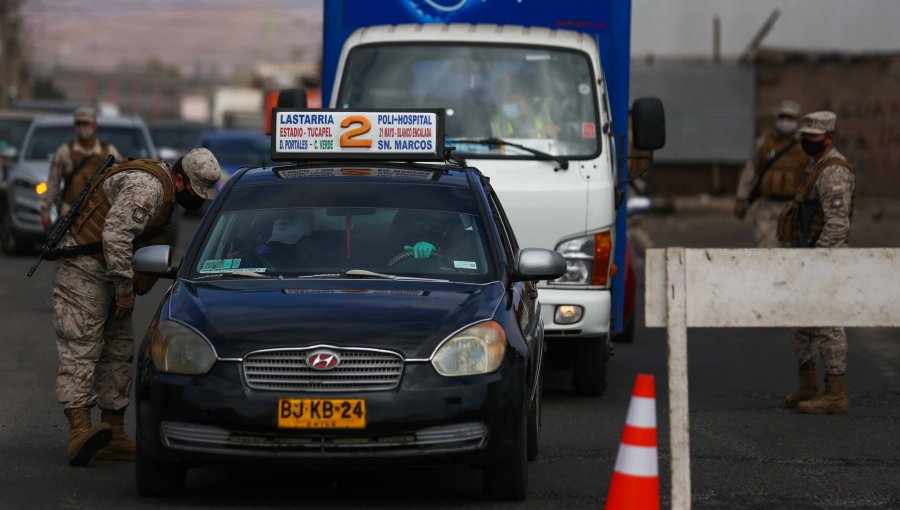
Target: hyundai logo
column 323, row 360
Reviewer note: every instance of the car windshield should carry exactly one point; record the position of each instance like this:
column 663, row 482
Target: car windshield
column 175, row 137
column 304, row 241
column 129, row 141
column 541, row 98
column 12, row 131
column 253, row 149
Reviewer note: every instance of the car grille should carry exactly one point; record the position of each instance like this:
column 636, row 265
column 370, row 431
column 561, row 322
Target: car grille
column 440, row 439
column 359, row 370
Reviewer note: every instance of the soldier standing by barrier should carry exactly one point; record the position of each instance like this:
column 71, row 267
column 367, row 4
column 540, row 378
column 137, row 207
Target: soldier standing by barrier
column 127, row 207
column 774, row 170
column 74, row 163
column 819, row 216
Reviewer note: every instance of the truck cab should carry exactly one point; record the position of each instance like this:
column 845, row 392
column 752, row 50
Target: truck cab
column 529, row 107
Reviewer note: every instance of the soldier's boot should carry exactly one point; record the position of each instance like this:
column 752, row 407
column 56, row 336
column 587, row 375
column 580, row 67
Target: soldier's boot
column 808, row 388
column 833, row 401
column 120, row 447
column 84, row 439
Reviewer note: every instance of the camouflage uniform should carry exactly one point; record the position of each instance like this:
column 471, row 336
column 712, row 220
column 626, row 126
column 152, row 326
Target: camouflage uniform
column 834, row 191
column 62, row 166
column 95, row 349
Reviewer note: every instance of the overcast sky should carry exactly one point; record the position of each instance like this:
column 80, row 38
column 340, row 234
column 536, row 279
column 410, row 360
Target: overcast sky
column 684, row 27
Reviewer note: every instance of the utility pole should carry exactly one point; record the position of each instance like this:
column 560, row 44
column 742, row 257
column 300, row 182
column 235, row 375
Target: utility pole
column 752, row 50
column 13, row 64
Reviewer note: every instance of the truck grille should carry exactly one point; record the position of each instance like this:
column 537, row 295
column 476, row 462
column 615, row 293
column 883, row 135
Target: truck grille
column 359, row 370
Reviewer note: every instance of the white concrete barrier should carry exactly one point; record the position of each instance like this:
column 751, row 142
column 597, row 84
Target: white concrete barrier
column 748, row 288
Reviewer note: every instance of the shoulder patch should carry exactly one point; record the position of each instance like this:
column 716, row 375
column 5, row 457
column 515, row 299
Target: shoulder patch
column 837, row 200
column 835, row 188
column 139, row 214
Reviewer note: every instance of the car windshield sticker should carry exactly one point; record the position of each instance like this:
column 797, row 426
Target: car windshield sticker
column 464, row 264
column 390, row 173
column 321, row 134
column 219, row 264
column 227, row 266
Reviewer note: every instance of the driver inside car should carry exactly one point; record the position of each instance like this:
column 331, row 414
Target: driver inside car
column 421, row 234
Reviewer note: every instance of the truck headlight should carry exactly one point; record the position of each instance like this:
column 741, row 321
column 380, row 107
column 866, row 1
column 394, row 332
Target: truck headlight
column 587, row 259
column 478, row 349
column 177, row 349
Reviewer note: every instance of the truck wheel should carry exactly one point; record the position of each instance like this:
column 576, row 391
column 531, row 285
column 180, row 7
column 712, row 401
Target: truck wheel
column 9, row 241
column 507, row 480
column 158, row 478
column 589, row 371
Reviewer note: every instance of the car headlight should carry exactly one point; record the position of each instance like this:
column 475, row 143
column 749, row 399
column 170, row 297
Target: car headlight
column 478, row 349
column 587, row 259
column 177, row 349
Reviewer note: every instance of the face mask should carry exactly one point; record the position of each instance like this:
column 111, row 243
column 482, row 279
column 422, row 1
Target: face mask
column 84, row 131
column 188, row 200
column 785, row 126
column 812, row 148
column 511, row 110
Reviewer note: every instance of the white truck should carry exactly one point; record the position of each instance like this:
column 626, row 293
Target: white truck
column 553, row 162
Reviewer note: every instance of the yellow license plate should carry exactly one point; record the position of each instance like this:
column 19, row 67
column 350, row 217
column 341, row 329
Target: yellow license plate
column 318, row 413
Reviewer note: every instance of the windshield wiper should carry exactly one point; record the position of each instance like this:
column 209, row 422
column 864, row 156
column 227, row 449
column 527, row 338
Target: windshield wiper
column 236, row 274
column 541, row 155
column 363, row 273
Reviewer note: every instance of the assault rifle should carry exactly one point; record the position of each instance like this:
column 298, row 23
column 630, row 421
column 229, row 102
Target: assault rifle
column 62, row 226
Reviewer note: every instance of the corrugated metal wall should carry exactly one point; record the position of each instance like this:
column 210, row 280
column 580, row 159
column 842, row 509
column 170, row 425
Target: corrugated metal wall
column 709, row 109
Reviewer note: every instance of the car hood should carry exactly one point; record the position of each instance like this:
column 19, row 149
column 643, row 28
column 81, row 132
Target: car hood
column 411, row 318
column 34, row 169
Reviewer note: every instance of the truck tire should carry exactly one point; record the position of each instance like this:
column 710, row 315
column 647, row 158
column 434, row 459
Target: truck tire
column 9, row 241
column 589, row 369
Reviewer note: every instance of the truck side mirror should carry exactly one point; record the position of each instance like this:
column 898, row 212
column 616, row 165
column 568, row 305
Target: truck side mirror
column 648, row 124
column 292, row 98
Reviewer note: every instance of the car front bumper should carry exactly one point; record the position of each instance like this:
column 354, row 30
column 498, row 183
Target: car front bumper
column 217, row 419
column 594, row 322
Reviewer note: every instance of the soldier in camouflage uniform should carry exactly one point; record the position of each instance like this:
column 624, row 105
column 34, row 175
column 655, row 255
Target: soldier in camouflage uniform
column 94, row 287
column 73, row 163
column 782, row 162
column 823, row 206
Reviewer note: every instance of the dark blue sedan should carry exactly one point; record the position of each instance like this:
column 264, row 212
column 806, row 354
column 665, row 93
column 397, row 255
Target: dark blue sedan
column 344, row 314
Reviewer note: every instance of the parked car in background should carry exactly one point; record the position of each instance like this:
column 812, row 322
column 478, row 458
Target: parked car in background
column 236, row 149
column 173, row 138
column 13, row 126
column 20, row 220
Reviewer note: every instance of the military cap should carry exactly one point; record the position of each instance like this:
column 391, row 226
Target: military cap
column 818, row 123
column 203, row 171
column 85, row 114
column 788, row 107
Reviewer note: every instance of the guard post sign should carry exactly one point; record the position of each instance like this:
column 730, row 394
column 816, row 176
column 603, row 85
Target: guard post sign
column 414, row 135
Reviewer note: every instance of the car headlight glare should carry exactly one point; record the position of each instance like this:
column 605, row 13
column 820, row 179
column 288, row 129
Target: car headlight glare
column 478, row 349
column 177, row 349
column 41, row 188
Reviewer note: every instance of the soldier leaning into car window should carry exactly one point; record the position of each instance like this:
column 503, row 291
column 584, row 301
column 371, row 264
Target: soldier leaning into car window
column 94, row 288
column 74, row 163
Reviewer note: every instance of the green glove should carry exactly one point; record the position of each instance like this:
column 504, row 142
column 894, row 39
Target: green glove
column 422, row 249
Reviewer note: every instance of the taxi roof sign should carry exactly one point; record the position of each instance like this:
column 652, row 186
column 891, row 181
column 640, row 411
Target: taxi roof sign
column 330, row 134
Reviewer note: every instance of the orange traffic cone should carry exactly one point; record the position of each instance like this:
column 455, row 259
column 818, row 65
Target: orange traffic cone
column 635, row 481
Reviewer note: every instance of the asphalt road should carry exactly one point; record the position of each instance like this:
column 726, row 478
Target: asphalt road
column 747, row 451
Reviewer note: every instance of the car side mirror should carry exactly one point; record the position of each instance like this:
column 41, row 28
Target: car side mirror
column 167, row 154
column 637, row 204
column 648, row 124
column 292, row 98
column 155, row 260
column 539, row 264
column 10, row 152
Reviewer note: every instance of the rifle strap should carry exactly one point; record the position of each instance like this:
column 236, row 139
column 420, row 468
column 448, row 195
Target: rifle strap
column 771, row 161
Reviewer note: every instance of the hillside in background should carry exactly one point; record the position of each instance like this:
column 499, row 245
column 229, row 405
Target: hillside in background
column 196, row 36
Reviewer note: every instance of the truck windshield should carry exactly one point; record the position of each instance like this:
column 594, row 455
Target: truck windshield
column 541, row 98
